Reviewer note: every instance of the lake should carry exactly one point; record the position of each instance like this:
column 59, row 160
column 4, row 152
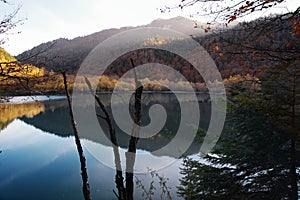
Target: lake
column 39, row 158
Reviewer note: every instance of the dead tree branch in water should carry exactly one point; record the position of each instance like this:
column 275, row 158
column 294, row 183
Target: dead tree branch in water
column 119, row 176
column 124, row 193
column 84, row 175
column 131, row 153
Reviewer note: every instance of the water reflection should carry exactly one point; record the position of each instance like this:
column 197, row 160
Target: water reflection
column 39, row 155
column 11, row 111
column 56, row 120
column 38, row 165
column 252, row 160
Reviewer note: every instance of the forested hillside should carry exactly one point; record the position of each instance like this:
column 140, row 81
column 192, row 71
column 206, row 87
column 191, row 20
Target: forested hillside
column 246, row 48
column 245, row 51
column 68, row 54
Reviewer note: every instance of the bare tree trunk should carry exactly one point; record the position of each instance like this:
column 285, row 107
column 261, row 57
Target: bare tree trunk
column 130, row 154
column 84, row 175
column 119, row 176
column 124, row 193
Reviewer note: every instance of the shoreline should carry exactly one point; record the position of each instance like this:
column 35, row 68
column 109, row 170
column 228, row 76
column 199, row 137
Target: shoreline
column 27, row 99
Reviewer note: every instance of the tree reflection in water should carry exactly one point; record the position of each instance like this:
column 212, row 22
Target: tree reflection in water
column 251, row 161
column 10, row 111
column 253, row 155
column 124, row 193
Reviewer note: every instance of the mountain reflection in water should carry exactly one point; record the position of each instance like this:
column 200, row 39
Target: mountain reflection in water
column 39, row 157
column 55, row 119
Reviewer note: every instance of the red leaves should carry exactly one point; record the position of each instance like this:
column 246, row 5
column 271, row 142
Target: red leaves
column 216, row 48
column 296, row 27
column 232, row 18
column 207, row 29
column 249, row 3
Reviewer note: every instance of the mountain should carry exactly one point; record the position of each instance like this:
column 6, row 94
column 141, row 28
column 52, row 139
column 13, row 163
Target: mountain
column 11, row 73
column 180, row 24
column 5, row 57
column 241, row 49
column 68, row 54
column 10, row 67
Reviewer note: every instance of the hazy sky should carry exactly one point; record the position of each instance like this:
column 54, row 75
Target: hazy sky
column 47, row 20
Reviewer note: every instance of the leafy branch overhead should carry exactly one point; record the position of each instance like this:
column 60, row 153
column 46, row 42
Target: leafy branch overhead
column 226, row 11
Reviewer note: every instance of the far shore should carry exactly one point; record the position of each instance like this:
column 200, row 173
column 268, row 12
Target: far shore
column 29, row 98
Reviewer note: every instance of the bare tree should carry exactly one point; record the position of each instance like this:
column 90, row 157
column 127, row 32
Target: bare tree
column 8, row 22
column 124, row 192
column 84, row 174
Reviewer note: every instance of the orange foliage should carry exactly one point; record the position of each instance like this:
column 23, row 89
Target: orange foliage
column 216, row 48
column 9, row 112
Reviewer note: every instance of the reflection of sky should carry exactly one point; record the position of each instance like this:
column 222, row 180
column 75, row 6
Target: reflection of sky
column 164, row 166
column 34, row 163
column 19, row 142
column 37, row 165
column 144, row 159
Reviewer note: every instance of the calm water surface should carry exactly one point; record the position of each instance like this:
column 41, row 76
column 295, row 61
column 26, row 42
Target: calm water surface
column 39, row 159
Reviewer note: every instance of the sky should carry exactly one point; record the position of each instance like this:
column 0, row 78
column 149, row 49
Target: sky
column 47, row 20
